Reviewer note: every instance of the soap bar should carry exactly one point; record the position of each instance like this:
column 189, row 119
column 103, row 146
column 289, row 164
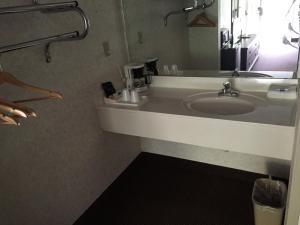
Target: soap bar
column 278, row 91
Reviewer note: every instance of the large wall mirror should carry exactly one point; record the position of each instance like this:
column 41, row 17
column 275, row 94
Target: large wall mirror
column 193, row 37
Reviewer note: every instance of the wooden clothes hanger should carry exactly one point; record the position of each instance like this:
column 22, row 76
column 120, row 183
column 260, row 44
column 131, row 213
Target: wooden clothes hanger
column 8, row 120
column 201, row 20
column 10, row 112
column 8, row 78
column 10, row 108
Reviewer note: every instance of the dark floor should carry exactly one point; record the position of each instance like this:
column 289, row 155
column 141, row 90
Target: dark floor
column 159, row 190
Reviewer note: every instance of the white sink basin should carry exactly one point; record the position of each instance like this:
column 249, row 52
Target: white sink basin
column 211, row 103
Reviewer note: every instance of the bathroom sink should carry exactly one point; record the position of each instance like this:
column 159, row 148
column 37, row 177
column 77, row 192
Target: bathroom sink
column 211, row 103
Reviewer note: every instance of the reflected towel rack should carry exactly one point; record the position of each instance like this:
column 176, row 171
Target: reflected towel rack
column 47, row 8
column 187, row 10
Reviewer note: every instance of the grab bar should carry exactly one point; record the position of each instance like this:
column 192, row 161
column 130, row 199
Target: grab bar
column 47, row 8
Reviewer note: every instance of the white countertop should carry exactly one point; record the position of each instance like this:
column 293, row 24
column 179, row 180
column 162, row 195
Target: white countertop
column 268, row 131
column 170, row 101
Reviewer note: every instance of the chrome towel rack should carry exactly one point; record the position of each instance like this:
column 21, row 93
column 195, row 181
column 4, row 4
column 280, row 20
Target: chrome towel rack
column 47, row 41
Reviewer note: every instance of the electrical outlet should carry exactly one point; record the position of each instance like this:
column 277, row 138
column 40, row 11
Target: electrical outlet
column 140, row 37
column 106, row 48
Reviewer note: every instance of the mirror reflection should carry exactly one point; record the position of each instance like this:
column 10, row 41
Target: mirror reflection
column 254, row 38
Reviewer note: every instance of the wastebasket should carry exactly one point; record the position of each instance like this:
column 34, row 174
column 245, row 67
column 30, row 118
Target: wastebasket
column 269, row 200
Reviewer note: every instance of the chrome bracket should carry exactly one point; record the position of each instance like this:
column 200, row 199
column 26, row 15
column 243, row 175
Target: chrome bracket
column 47, row 53
column 47, row 47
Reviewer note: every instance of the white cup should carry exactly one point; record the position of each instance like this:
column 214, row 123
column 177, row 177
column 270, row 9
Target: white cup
column 125, row 95
column 135, row 98
column 166, row 70
column 174, row 69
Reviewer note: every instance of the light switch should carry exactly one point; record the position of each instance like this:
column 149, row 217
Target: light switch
column 299, row 220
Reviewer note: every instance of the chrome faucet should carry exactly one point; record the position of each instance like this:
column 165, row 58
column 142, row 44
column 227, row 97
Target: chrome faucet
column 235, row 74
column 228, row 90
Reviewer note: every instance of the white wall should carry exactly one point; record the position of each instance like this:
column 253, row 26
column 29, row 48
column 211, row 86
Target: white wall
column 293, row 206
column 53, row 167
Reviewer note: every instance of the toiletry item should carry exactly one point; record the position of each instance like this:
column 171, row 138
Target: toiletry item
column 166, row 70
column 108, row 89
column 135, row 97
column 278, row 91
column 174, row 70
column 125, row 96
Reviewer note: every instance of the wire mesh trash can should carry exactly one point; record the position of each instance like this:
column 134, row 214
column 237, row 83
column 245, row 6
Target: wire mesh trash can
column 269, row 200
